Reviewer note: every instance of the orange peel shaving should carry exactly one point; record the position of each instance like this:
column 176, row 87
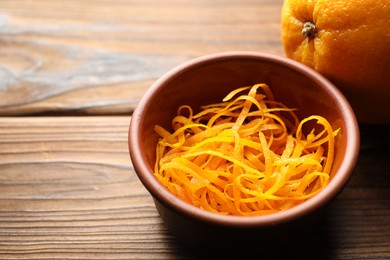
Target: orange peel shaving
column 247, row 155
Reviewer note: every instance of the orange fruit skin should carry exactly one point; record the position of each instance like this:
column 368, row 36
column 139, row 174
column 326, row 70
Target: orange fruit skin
column 351, row 48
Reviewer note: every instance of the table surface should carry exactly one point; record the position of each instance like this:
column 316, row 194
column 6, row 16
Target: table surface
column 72, row 72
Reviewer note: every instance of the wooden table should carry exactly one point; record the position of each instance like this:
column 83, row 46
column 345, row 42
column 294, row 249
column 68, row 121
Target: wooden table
column 71, row 72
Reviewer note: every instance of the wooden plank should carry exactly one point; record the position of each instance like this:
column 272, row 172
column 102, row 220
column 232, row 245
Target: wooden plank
column 68, row 191
column 99, row 57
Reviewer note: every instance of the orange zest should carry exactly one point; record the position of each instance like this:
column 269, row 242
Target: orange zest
column 247, row 155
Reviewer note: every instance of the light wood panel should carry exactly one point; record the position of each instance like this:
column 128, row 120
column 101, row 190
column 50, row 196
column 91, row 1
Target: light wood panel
column 99, row 56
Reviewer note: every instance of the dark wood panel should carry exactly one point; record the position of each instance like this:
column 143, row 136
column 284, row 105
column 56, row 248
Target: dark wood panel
column 68, row 191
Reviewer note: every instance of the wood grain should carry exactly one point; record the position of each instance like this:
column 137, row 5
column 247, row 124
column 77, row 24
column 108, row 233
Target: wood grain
column 99, row 56
column 68, row 191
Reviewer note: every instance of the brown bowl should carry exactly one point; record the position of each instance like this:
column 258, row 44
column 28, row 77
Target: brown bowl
column 207, row 80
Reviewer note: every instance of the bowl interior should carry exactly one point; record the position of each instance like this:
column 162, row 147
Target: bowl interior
column 208, row 81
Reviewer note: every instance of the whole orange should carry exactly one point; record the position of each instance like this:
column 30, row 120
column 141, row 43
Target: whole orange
column 348, row 41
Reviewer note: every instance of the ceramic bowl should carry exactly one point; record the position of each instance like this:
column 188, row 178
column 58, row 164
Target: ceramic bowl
column 207, row 80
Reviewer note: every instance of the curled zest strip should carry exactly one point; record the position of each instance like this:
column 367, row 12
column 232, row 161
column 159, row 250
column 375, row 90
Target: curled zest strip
column 247, row 155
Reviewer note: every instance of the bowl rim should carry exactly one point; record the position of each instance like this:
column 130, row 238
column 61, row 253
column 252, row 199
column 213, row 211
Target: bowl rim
column 155, row 188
